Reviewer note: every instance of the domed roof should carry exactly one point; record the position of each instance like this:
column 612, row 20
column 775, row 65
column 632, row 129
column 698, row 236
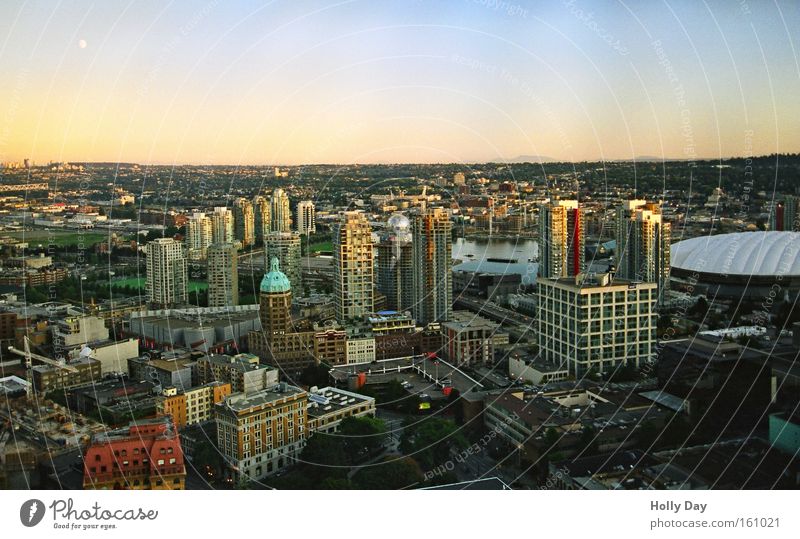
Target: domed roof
column 398, row 222
column 275, row 281
column 743, row 253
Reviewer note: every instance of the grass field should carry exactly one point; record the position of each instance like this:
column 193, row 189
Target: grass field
column 139, row 282
column 59, row 238
column 321, row 246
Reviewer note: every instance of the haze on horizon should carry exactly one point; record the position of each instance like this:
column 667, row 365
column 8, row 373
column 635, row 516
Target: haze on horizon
column 384, row 82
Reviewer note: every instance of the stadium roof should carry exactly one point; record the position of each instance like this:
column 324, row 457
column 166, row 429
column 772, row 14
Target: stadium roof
column 743, row 253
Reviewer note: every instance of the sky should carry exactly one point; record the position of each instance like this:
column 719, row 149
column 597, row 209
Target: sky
column 372, row 81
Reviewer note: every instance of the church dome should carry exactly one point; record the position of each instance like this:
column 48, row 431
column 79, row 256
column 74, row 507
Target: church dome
column 275, row 282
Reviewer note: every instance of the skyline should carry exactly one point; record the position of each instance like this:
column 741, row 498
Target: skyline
column 414, row 82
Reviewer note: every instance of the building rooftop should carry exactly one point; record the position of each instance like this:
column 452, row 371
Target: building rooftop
column 275, row 281
column 239, row 402
column 467, row 320
column 329, row 400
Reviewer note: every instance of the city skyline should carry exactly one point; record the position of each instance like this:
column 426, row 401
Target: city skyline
column 357, row 82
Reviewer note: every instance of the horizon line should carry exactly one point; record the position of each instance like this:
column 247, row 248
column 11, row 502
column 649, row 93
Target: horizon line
column 519, row 160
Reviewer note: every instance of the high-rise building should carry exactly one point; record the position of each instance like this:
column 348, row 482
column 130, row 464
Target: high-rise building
column 394, row 264
column 279, row 343
column 167, row 277
column 306, row 217
column 222, row 225
column 561, row 239
column 244, row 222
column 261, row 433
column 353, row 266
column 643, row 244
column 784, row 216
column 594, row 322
column 262, row 219
column 275, row 301
column 433, row 280
column 280, row 216
column 285, row 246
column 198, row 236
column 223, row 275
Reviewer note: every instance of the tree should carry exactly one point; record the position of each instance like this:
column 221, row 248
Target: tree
column 362, row 432
column 429, row 441
column 325, row 457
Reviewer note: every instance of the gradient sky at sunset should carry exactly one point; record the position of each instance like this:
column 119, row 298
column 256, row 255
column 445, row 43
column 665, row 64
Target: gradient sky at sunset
column 289, row 82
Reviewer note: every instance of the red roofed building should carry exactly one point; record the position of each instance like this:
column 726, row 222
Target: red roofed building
column 146, row 455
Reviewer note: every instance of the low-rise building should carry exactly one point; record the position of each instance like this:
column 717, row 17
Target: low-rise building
column 146, row 455
column 532, row 369
column 328, row 406
column 470, row 339
column 360, row 349
column 242, row 371
column 51, row 377
column 167, row 369
column 193, row 405
column 260, row 433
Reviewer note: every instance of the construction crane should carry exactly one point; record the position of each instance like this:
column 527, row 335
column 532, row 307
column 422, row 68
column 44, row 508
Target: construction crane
column 30, row 356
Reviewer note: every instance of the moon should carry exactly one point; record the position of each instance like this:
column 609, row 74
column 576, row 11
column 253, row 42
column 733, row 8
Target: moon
column 82, row 43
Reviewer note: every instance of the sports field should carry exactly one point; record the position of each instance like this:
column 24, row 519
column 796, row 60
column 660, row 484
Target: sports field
column 59, row 238
column 139, row 282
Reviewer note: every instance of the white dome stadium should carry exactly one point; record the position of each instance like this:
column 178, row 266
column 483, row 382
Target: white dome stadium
column 752, row 254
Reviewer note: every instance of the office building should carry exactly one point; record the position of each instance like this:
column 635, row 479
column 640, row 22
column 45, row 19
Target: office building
column 244, row 222
column 222, row 225
column 643, row 244
column 198, row 236
column 262, row 433
column 590, row 322
column 561, row 239
column 306, row 217
column 394, row 264
column 353, row 266
column 223, row 275
column 285, row 246
column 433, row 280
column 280, row 216
column 167, row 278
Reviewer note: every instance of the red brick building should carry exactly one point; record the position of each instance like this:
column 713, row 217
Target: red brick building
column 146, row 455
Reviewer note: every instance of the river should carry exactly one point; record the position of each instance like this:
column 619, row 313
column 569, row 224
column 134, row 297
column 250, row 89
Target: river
column 521, row 249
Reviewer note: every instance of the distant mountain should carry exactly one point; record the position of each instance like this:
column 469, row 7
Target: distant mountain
column 525, row 159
